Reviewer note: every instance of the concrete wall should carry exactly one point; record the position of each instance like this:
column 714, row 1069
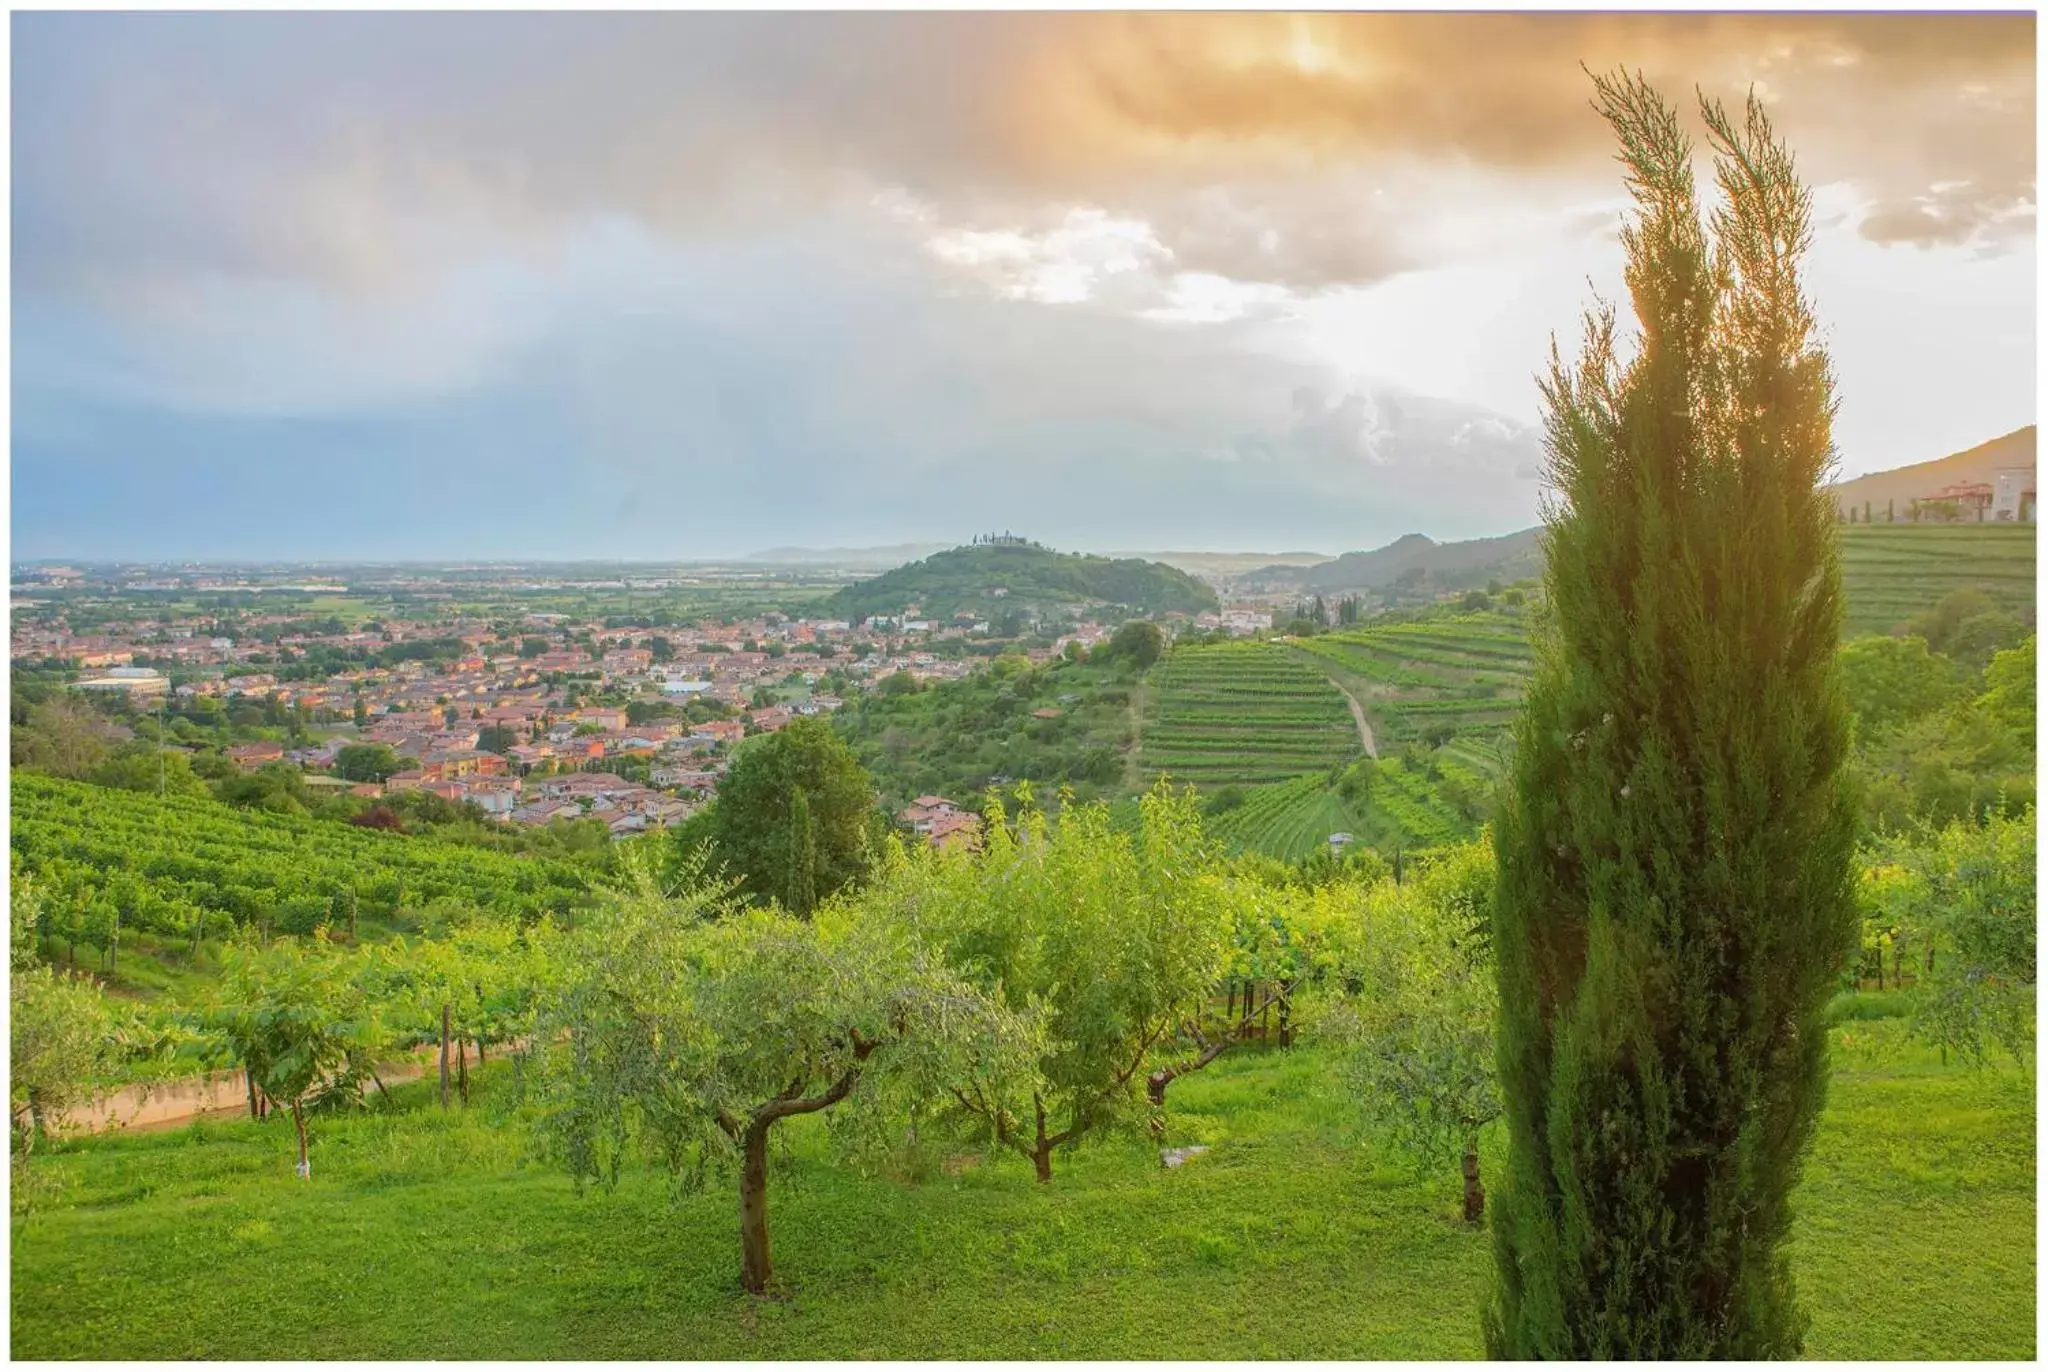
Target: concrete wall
column 174, row 1102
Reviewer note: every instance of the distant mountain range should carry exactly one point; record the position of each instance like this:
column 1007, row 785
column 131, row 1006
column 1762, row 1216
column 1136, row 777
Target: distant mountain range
column 1508, row 557
column 1442, row 566
column 1226, row 564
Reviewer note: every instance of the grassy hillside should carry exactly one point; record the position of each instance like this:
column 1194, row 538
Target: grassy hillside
column 1442, row 689
column 192, row 868
column 987, row 580
column 432, row 1235
column 1446, row 676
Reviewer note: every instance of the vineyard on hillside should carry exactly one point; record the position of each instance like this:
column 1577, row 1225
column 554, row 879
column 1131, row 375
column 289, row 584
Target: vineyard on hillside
column 1414, row 799
column 1442, row 691
column 1894, row 571
column 1242, row 714
column 1452, row 677
column 192, row 869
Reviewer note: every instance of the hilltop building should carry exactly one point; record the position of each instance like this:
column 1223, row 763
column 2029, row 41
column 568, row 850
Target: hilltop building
column 2012, row 498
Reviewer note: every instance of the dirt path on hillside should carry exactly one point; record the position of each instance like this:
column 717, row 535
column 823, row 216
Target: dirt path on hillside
column 1365, row 738
column 1364, row 729
column 1134, row 775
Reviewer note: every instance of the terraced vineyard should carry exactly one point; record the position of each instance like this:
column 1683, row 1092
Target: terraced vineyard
column 1242, row 714
column 1287, row 819
column 1442, row 691
column 1894, row 571
column 1453, row 677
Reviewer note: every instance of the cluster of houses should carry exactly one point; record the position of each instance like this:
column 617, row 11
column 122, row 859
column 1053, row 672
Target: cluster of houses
column 433, row 714
column 2007, row 498
column 942, row 823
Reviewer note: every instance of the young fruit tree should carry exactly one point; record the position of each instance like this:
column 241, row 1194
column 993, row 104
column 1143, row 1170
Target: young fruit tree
column 1675, row 897
column 1106, row 937
column 295, row 1015
column 687, row 1026
column 1416, row 1028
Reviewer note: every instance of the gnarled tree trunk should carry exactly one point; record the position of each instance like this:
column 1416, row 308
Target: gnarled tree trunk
column 756, row 1269
column 1475, row 1194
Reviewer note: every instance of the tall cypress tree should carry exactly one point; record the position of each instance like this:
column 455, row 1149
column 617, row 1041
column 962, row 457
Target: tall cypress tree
column 803, row 855
column 1674, row 851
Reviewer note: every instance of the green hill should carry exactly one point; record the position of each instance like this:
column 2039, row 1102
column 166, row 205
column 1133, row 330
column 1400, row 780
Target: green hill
column 989, row 579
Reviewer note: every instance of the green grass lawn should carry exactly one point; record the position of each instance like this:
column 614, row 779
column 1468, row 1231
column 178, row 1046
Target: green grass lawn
column 427, row 1236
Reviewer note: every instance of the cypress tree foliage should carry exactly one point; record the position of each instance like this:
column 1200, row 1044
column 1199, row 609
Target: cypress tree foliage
column 803, row 856
column 1674, row 851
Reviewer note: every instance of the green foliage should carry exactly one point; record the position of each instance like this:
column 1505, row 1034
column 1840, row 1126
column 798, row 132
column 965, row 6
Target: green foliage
column 1674, row 902
column 2009, row 696
column 952, row 738
column 799, row 790
column 1418, row 1029
column 1892, row 680
column 296, row 1016
column 1976, row 901
column 187, row 868
column 367, row 762
column 1940, row 625
column 62, row 735
column 498, row 738
column 62, row 1042
column 1138, row 642
column 145, row 767
column 1104, row 937
column 689, row 1026
column 1963, row 758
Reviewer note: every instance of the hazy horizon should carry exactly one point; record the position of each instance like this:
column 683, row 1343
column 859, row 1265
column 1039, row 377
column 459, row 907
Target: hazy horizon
column 446, row 287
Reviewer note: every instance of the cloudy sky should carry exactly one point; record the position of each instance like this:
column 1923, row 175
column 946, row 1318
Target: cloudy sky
column 676, row 286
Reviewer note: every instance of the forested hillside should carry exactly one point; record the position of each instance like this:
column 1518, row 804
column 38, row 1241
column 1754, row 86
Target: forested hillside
column 990, row 579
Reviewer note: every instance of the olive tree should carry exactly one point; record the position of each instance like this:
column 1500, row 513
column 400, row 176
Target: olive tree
column 1417, row 1025
column 1106, row 937
column 62, row 1036
column 61, row 1045
column 686, row 1026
